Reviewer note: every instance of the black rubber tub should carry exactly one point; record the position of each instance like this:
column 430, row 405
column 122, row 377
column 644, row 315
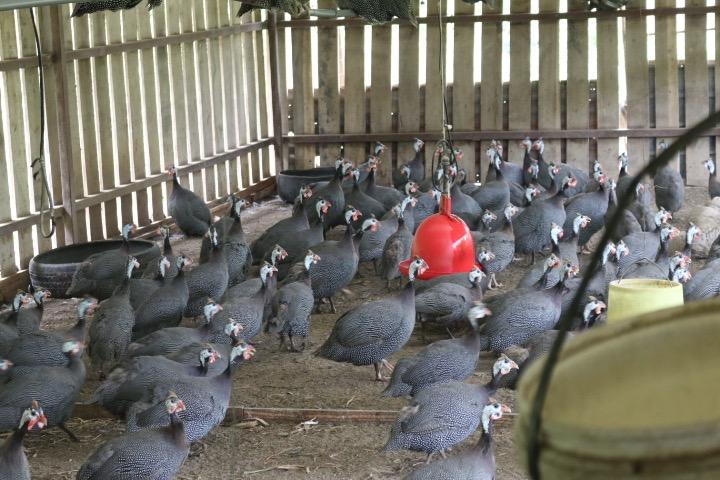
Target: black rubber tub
column 290, row 181
column 54, row 269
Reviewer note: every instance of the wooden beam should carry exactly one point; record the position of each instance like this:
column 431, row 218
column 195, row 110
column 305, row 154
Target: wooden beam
column 275, row 84
column 157, row 179
column 512, row 17
column 479, row 135
column 24, row 62
column 164, row 41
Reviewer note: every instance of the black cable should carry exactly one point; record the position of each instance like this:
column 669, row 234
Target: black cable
column 46, row 193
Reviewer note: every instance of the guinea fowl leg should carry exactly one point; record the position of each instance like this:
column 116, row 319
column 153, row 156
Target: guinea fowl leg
column 378, row 375
column 69, row 433
column 332, row 305
column 429, row 457
column 388, row 365
column 282, row 342
column 375, row 267
column 293, row 348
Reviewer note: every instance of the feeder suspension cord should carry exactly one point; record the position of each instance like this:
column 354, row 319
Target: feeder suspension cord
column 46, row 201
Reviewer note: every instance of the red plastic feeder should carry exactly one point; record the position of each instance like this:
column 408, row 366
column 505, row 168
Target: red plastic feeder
column 443, row 240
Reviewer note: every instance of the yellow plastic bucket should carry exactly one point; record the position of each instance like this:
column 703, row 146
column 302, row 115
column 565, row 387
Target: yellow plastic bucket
column 636, row 296
column 632, row 400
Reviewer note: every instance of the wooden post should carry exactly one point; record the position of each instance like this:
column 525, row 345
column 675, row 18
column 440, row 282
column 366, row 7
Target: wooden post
column 463, row 109
column 637, row 72
column 328, row 94
column 408, row 89
column 303, row 98
column 577, row 85
column 381, row 93
column 491, row 89
column 520, row 91
column 666, row 71
column 549, row 78
column 608, row 109
column 275, row 89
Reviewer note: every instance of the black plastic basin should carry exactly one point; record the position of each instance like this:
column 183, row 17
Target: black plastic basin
column 54, row 269
column 290, row 181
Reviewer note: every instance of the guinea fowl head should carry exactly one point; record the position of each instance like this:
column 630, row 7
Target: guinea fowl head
column 346, row 169
column 462, row 175
column 570, row 270
column 172, row 171
column 306, row 191
column 621, row 250
column 510, row 211
column 355, row 172
column 609, row 250
column 243, row 349
column 491, row 413
column 539, row 145
column 531, row 193
column 131, row 265
column 181, row 261
column 409, row 200
column 568, row 182
column 238, row 205
column 491, row 152
column 681, row 275
column 208, row 355
column 210, row 310
column 312, row 258
column 418, row 145
column 580, row 221
column 86, row 306
column 534, row 169
column 212, row 234
column 693, row 234
column 267, row 271
column 379, row 149
column 373, row 163
column 498, row 146
column 5, row 365
column 600, row 177
column 476, row 275
column 662, row 217
column 233, row 328
column 371, row 224
column 417, row 267
column 278, row 254
column 611, row 185
column 435, row 193
column 405, row 171
column 163, row 265
column 679, row 259
column 40, row 295
column 483, row 256
column 623, row 162
column 503, row 365
column 72, row 348
column 596, row 167
column 710, row 165
column 526, row 144
column 593, row 309
column 556, row 233
column 477, row 312
column 488, row 217
column 551, row 262
column 322, row 206
column 128, row 230
column 33, row 418
column 173, row 404
column 352, row 214
column 668, row 232
column 21, row 298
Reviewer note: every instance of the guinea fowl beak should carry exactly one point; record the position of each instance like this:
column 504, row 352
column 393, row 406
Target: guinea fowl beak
column 505, row 409
column 179, row 406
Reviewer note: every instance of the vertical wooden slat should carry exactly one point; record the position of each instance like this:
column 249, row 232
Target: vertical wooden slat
column 205, row 105
column 408, row 89
column 433, row 85
column 261, row 67
column 549, row 77
column 696, row 92
column 243, row 161
column 354, row 92
column 7, row 248
column 381, row 93
column 251, row 92
column 183, row 64
column 666, row 70
column 132, row 32
column 519, row 96
column 216, row 86
column 636, row 70
column 463, row 110
column 328, row 93
column 228, row 101
column 277, row 84
column 608, row 109
column 17, row 135
column 491, row 94
column 119, row 106
column 577, row 85
column 104, row 120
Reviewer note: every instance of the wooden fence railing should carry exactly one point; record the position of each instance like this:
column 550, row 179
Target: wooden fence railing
column 128, row 95
column 631, row 99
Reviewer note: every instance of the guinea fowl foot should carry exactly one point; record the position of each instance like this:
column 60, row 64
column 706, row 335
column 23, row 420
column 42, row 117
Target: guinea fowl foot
column 585, row 251
column 388, row 365
column 70, row 434
column 378, row 374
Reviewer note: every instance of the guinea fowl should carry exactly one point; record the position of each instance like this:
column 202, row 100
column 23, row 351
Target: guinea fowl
column 207, row 400
column 417, row 164
column 522, row 313
column 165, row 307
column 644, row 246
column 250, row 287
column 169, row 340
column 292, row 306
column 232, row 238
column 190, row 213
column 100, row 273
column 156, row 453
column 55, row 388
column 540, row 271
column 445, row 360
column 397, row 248
column 298, row 243
column 624, row 178
column 494, row 194
column 512, row 173
column 143, row 289
column 426, row 205
column 568, row 246
column 333, row 193
column 460, row 278
column 366, row 204
column 372, row 331
column 152, row 268
column 28, row 319
column 532, row 226
column 644, row 210
column 628, row 223
column 439, row 417
column 705, row 283
column 13, row 462
column 463, row 205
column 250, row 312
column 407, row 209
column 287, row 227
column 654, row 263
column 713, row 183
column 8, row 326
column 111, row 330
column 447, row 303
column 501, row 242
column 593, row 205
column 207, row 280
column 46, row 347
column 128, row 382
column 339, row 262
column 669, row 185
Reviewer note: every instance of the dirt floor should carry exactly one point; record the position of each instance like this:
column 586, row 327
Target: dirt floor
column 281, row 379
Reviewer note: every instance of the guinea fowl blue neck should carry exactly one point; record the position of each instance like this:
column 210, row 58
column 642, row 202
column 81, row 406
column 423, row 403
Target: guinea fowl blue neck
column 32, row 418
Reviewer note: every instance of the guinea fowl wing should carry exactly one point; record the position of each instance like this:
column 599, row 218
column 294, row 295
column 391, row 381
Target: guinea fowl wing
column 368, row 324
column 425, row 370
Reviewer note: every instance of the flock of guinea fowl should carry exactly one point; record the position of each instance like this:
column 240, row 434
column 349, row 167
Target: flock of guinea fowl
column 172, row 384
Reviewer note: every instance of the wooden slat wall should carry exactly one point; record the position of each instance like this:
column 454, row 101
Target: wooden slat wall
column 433, row 86
column 491, row 87
column 549, row 77
column 328, row 91
column 354, row 91
column 130, row 114
column 638, row 102
column 666, row 71
column 608, row 108
column 519, row 96
column 463, row 107
column 381, row 92
column 577, row 85
column 408, row 85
